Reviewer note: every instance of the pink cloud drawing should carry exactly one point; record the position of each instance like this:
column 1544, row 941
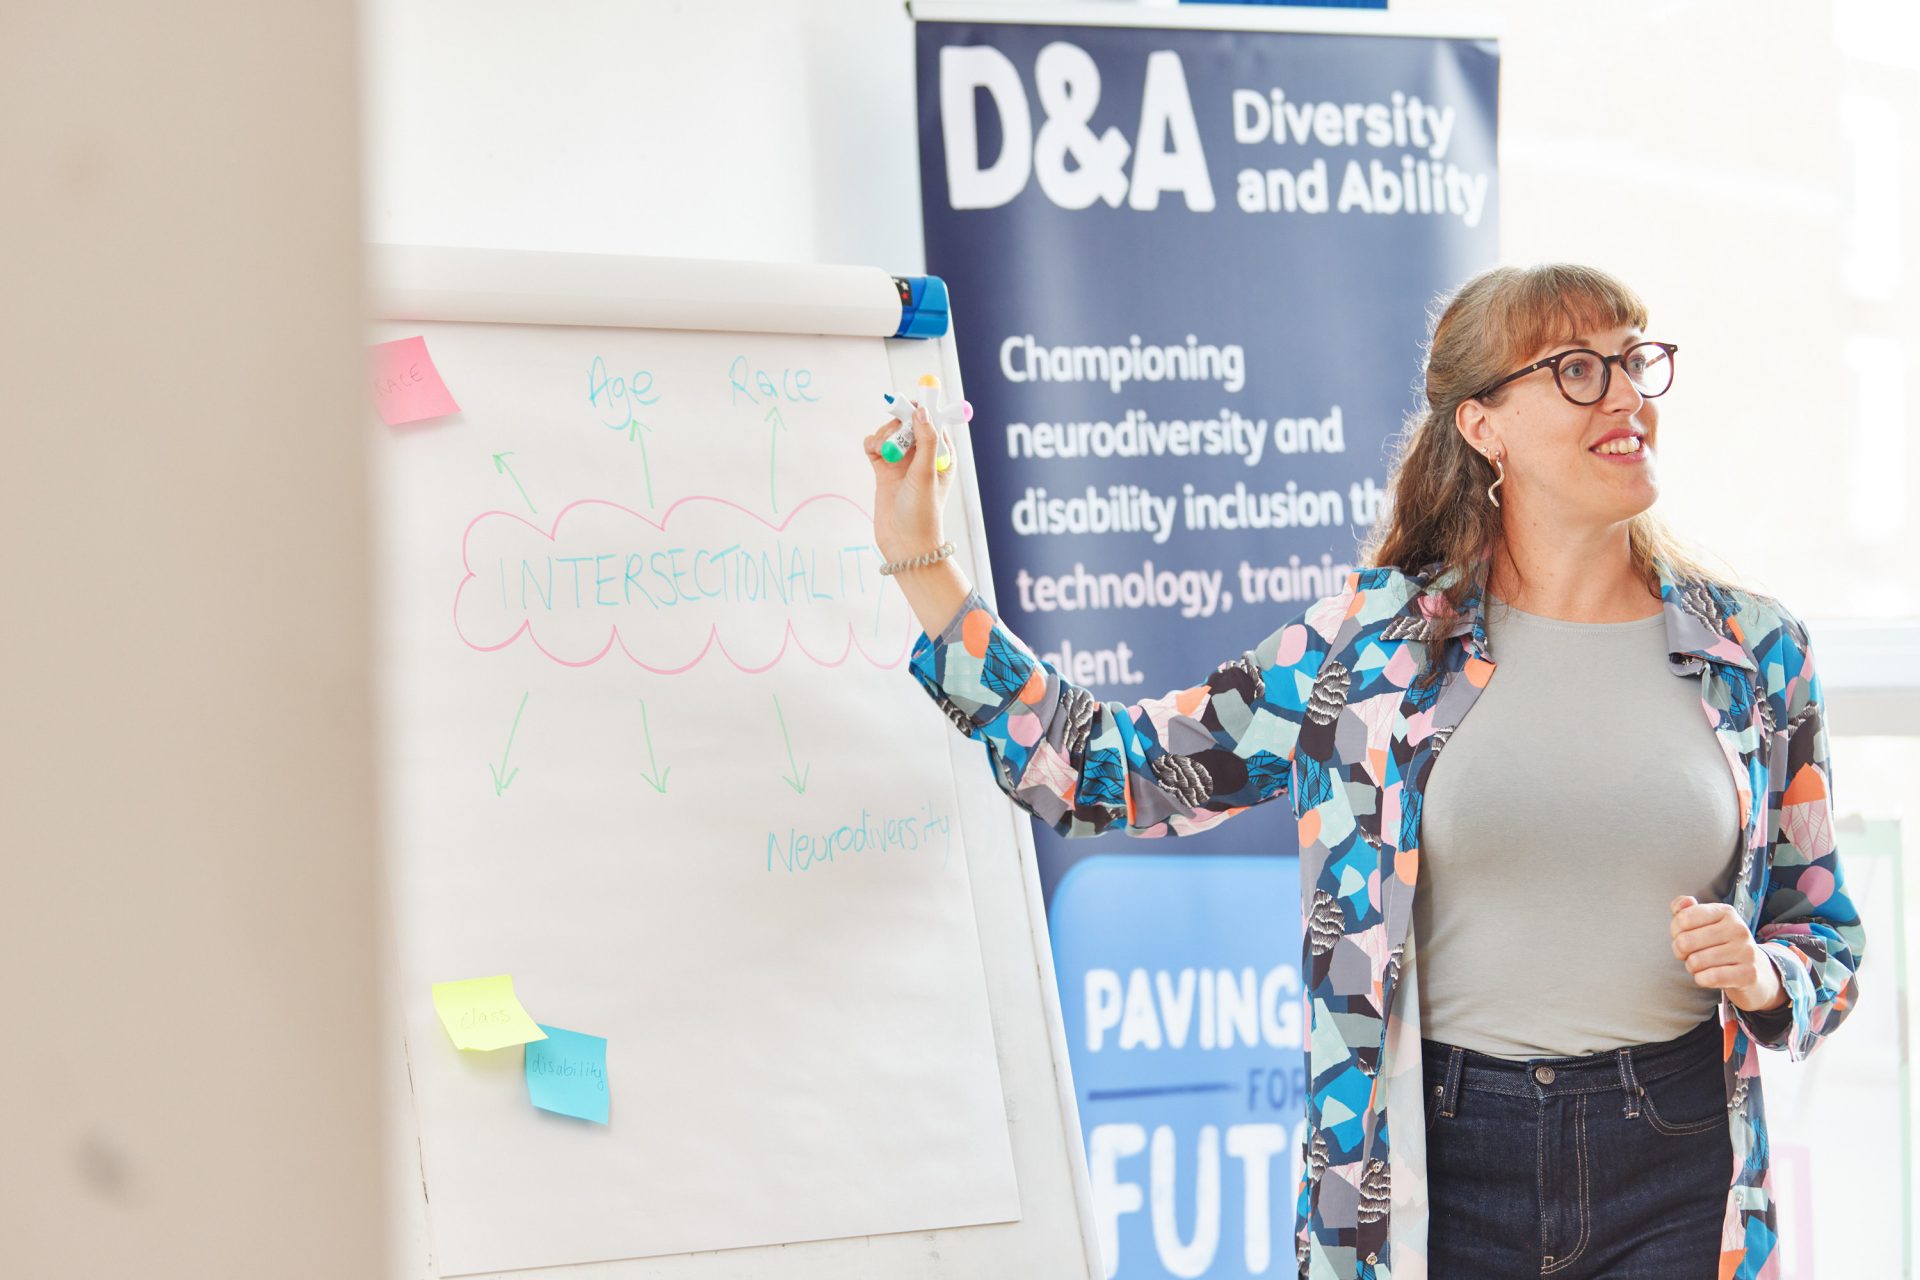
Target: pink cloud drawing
column 707, row 577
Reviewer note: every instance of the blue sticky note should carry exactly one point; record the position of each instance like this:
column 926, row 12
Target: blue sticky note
column 567, row 1073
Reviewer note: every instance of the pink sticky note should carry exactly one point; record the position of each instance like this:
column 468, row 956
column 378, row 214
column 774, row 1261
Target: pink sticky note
column 406, row 386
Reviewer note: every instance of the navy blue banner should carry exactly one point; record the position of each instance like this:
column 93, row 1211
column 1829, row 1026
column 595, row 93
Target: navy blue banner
column 1190, row 273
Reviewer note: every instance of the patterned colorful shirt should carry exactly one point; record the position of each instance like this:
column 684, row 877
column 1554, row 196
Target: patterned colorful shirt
column 1330, row 712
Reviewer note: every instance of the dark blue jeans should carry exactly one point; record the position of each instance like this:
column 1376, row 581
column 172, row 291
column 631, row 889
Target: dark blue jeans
column 1610, row 1165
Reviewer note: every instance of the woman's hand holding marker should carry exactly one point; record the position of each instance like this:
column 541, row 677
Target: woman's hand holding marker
column 910, row 493
column 910, row 487
column 944, row 416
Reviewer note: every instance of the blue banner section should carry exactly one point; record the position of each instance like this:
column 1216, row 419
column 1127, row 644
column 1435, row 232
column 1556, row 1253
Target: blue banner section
column 1190, row 273
column 1184, row 1019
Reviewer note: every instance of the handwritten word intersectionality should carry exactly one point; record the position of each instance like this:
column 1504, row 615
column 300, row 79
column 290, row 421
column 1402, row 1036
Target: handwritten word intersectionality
column 670, row 576
column 602, row 577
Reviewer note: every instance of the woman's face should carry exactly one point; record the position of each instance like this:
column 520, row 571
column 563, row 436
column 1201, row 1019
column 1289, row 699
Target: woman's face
column 1554, row 475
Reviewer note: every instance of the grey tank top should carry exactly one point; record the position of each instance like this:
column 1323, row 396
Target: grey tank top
column 1582, row 791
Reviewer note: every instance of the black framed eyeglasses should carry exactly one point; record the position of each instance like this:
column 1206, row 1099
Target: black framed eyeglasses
column 1583, row 374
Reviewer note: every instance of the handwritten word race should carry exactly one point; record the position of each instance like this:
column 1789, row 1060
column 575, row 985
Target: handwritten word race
column 757, row 385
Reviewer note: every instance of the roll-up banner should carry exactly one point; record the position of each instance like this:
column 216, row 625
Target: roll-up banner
column 1191, row 254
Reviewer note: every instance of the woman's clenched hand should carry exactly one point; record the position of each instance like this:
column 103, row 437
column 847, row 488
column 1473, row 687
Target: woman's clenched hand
column 1719, row 951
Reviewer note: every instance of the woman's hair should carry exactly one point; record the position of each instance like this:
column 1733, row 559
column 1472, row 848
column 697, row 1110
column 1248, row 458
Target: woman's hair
column 1439, row 510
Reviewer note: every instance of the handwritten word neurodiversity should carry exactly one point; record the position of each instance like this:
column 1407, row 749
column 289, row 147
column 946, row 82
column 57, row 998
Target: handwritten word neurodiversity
column 671, row 576
column 798, row 850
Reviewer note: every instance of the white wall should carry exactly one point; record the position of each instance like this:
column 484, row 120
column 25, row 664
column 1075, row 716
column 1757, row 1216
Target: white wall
column 1747, row 164
column 1750, row 168
column 761, row 129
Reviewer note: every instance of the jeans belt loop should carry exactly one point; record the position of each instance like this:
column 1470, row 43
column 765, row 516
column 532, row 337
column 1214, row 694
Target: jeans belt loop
column 1450, row 1099
column 1628, row 1085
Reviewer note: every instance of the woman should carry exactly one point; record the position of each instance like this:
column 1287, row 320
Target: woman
column 1565, row 1080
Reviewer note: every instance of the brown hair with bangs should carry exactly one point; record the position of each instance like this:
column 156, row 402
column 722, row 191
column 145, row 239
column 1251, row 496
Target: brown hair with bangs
column 1439, row 512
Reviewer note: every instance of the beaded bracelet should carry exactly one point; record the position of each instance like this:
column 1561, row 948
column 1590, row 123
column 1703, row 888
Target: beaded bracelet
column 944, row 550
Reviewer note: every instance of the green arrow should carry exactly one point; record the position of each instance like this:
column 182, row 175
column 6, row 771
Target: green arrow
column 800, row 787
column 501, row 784
column 500, row 465
column 660, row 785
column 773, row 443
column 636, row 430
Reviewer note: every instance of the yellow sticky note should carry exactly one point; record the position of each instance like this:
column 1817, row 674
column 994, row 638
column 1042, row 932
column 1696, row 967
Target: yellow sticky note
column 483, row 1013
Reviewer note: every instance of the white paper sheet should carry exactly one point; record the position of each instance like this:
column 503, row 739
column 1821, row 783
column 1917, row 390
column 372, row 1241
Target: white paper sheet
column 789, row 980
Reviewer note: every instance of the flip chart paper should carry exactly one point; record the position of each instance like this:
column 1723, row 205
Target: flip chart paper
column 653, row 746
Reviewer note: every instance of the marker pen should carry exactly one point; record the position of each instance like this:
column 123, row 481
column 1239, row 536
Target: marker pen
column 942, row 415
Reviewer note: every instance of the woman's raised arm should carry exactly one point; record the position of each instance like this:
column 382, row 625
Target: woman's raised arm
column 1170, row 765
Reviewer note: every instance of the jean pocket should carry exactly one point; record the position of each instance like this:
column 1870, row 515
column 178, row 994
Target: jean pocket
column 1672, row 1102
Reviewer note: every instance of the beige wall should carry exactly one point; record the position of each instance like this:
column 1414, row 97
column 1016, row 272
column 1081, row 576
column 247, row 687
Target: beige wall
column 189, row 1067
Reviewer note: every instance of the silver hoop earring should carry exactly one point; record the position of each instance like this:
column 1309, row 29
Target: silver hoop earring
column 1500, row 480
